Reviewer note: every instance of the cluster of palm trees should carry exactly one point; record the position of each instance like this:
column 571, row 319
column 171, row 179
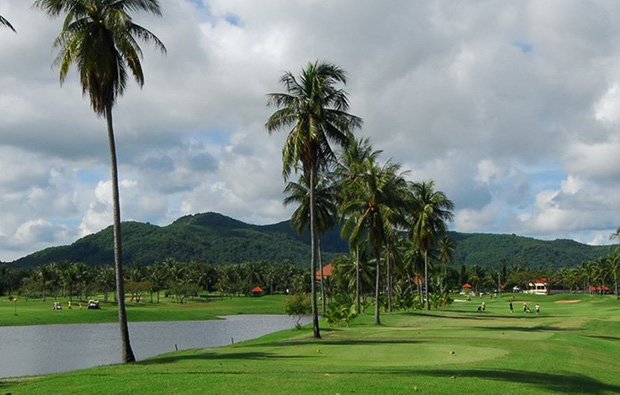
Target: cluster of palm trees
column 595, row 276
column 374, row 201
column 177, row 279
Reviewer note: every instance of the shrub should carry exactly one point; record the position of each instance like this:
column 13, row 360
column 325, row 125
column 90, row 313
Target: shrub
column 297, row 306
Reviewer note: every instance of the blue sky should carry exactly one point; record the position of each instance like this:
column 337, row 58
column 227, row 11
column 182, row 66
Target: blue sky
column 513, row 108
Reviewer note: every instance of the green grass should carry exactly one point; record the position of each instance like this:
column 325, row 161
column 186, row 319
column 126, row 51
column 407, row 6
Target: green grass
column 567, row 349
column 37, row 312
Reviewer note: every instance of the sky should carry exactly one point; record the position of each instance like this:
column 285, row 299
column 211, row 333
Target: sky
column 511, row 107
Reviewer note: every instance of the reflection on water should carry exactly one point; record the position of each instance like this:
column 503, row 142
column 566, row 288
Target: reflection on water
column 40, row 349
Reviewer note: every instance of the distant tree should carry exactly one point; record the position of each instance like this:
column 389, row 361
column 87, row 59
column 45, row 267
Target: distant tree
column 156, row 275
column 45, row 275
column 69, row 278
column 446, row 247
column 100, row 37
column 316, row 109
column 105, row 280
column 428, row 222
column 613, row 261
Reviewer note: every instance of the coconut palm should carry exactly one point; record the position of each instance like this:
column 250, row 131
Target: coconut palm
column 4, row 22
column 445, row 249
column 105, row 280
column 316, row 111
column 428, row 221
column 613, row 263
column 350, row 163
column 325, row 198
column 101, row 39
column 378, row 199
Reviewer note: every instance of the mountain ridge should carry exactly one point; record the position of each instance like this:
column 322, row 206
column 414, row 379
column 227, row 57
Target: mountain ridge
column 215, row 238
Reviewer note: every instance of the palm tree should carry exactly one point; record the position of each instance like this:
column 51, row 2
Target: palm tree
column 316, row 109
column 325, row 197
column 377, row 204
column 351, row 163
column 4, row 22
column 613, row 263
column 100, row 37
column 428, row 221
column 105, row 280
column 446, row 247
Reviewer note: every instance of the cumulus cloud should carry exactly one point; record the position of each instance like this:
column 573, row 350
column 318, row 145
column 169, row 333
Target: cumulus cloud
column 513, row 108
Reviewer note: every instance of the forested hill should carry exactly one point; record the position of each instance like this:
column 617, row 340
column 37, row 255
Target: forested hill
column 209, row 238
column 491, row 249
column 217, row 239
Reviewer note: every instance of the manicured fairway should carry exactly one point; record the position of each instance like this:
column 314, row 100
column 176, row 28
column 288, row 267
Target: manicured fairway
column 37, row 312
column 570, row 348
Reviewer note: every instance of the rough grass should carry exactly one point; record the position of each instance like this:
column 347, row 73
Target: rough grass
column 567, row 349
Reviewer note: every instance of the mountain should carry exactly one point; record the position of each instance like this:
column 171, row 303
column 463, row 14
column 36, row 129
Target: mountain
column 210, row 238
column 491, row 249
column 217, row 239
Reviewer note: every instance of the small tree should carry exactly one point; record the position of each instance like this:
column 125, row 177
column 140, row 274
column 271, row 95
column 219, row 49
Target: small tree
column 297, row 306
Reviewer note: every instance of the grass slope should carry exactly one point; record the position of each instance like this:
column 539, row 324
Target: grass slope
column 571, row 348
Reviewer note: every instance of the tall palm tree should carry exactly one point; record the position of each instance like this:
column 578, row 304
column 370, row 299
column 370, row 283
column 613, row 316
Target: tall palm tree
column 351, row 163
column 381, row 196
column 101, row 39
column 316, row 109
column 428, row 221
column 325, row 198
column 4, row 22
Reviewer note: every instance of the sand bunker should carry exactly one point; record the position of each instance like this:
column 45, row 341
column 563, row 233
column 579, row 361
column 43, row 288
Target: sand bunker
column 568, row 301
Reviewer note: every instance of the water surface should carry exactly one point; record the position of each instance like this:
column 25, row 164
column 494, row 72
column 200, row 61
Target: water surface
column 40, row 349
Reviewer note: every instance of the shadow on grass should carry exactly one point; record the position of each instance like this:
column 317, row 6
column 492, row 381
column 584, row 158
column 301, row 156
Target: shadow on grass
column 344, row 342
column 248, row 356
column 459, row 316
column 612, row 338
column 557, row 383
column 538, row 328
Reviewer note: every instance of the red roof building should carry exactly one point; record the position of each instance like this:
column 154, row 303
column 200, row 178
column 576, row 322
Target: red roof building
column 257, row 290
column 327, row 272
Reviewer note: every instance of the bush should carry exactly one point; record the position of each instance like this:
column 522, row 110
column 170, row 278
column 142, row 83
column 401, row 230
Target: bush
column 340, row 310
column 297, row 306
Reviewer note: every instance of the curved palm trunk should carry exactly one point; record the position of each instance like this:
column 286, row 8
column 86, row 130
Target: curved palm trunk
column 428, row 305
column 313, row 240
column 357, row 279
column 324, row 301
column 377, row 288
column 127, row 353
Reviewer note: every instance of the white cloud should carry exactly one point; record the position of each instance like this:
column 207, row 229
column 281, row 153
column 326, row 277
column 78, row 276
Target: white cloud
column 511, row 107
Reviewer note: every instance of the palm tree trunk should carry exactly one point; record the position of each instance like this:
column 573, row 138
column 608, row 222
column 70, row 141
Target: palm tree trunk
column 428, row 305
column 313, row 240
column 357, row 279
column 388, row 261
column 127, row 353
column 324, row 301
column 377, row 288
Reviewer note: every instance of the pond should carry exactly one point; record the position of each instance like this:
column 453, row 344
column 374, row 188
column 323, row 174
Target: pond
column 41, row 349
